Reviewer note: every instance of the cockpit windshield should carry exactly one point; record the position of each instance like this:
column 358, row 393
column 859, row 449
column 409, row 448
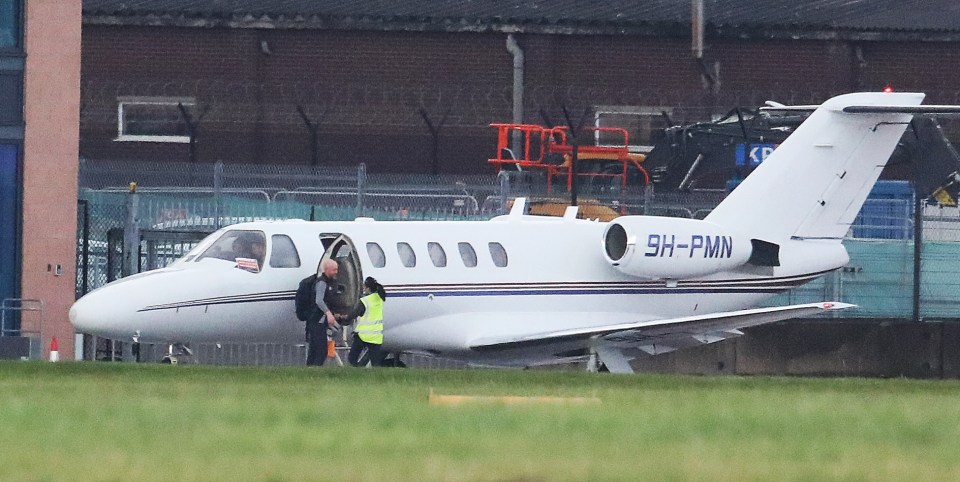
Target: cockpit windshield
column 238, row 244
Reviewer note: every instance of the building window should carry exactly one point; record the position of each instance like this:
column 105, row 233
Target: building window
column 498, row 254
column 468, row 255
column 407, row 257
column 284, row 252
column 437, row 254
column 11, row 98
column 153, row 119
column 9, row 227
column 642, row 126
column 377, row 257
column 9, row 23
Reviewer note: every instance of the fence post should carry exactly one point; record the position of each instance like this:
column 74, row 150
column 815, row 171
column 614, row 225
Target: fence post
column 131, row 243
column 647, row 198
column 361, row 184
column 832, row 289
column 131, row 235
column 917, row 250
column 85, row 246
column 504, row 191
column 218, row 193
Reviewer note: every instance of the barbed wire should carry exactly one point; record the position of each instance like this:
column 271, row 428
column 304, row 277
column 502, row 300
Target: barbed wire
column 398, row 108
column 381, row 104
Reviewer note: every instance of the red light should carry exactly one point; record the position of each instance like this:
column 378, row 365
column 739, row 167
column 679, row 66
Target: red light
column 888, row 89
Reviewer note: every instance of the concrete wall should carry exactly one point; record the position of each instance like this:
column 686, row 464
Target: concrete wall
column 822, row 347
column 51, row 113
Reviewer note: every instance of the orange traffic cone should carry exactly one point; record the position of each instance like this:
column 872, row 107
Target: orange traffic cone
column 331, row 349
column 54, row 353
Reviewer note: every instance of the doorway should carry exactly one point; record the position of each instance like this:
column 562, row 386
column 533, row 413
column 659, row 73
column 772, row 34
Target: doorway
column 339, row 248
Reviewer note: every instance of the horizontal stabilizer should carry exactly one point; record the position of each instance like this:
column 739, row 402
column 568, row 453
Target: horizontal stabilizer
column 872, row 109
column 774, row 107
column 902, row 109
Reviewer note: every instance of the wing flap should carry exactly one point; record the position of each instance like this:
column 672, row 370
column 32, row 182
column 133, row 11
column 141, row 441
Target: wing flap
column 696, row 329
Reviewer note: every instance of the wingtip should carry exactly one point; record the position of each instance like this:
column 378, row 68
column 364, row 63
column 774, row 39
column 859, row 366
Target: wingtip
column 835, row 305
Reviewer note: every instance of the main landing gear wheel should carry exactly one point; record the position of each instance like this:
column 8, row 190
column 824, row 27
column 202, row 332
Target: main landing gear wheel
column 393, row 361
column 174, row 352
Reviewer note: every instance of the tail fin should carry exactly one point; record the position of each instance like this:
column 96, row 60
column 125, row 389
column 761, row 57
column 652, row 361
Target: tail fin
column 814, row 184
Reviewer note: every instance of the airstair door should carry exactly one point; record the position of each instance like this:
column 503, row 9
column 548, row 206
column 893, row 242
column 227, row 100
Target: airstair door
column 339, row 248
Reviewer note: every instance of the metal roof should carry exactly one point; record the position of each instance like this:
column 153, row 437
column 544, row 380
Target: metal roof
column 732, row 17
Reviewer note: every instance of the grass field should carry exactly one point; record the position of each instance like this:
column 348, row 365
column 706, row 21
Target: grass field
column 76, row 421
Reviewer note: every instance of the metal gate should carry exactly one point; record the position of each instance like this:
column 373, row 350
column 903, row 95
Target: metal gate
column 154, row 249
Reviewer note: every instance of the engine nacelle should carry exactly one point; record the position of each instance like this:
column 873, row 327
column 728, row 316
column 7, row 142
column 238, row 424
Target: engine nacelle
column 672, row 248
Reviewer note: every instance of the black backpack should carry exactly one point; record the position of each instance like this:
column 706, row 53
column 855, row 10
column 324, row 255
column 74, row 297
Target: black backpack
column 306, row 299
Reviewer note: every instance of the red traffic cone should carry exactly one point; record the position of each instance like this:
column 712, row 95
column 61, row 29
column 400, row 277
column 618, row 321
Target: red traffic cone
column 54, row 353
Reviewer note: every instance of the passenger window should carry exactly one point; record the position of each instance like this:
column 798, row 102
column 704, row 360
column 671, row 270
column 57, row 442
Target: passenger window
column 238, row 244
column 407, row 256
column 468, row 255
column 283, row 254
column 437, row 255
column 343, row 251
column 377, row 257
column 498, row 254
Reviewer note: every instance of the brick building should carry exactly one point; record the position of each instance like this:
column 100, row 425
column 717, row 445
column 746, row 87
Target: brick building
column 39, row 119
column 261, row 81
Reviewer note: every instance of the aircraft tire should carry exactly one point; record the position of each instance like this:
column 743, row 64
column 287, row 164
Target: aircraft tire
column 393, row 362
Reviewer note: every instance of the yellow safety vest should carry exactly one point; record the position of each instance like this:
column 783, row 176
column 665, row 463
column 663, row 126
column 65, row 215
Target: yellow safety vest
column 370, row 325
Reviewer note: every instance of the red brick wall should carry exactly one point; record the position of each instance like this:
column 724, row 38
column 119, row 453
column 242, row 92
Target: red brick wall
column 51, row 104
column 343, row 79
column 366, row 87
column 929, row 67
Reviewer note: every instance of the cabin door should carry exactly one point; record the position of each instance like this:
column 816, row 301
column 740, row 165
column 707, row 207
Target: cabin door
column 339, row 248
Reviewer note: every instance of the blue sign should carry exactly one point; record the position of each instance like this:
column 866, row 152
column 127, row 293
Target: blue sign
column 753, row 154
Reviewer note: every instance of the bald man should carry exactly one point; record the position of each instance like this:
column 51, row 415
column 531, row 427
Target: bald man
column 326, row 289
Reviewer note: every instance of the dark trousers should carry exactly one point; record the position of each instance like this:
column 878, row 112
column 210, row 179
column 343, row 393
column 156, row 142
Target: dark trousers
column 316, row 342
column 362, row 352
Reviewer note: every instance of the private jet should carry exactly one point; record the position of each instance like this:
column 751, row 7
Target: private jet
column 521, row 290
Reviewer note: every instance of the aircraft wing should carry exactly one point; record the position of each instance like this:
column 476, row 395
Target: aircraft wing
column 663, row 335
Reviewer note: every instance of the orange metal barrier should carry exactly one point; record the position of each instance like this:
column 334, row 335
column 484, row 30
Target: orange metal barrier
column 548, row 148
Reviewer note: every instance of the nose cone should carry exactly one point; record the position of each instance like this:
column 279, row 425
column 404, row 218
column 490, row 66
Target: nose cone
column 83, row 316
column 93, row 314
column 111, row 311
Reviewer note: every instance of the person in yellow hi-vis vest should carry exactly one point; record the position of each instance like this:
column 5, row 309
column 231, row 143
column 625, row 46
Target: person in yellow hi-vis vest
column 368, row 330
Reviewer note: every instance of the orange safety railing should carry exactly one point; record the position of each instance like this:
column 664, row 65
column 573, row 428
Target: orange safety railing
column 543, row 147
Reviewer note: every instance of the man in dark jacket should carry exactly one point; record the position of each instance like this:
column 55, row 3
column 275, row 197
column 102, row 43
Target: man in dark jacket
column 317, row 331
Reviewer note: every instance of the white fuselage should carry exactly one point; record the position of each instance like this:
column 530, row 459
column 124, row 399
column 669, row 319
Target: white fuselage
column 563, row 284
column 553, row 265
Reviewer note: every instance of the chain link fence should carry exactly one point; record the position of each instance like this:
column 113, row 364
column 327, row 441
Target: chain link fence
column 222, row 103
column 184, row 197
column 201, row 197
